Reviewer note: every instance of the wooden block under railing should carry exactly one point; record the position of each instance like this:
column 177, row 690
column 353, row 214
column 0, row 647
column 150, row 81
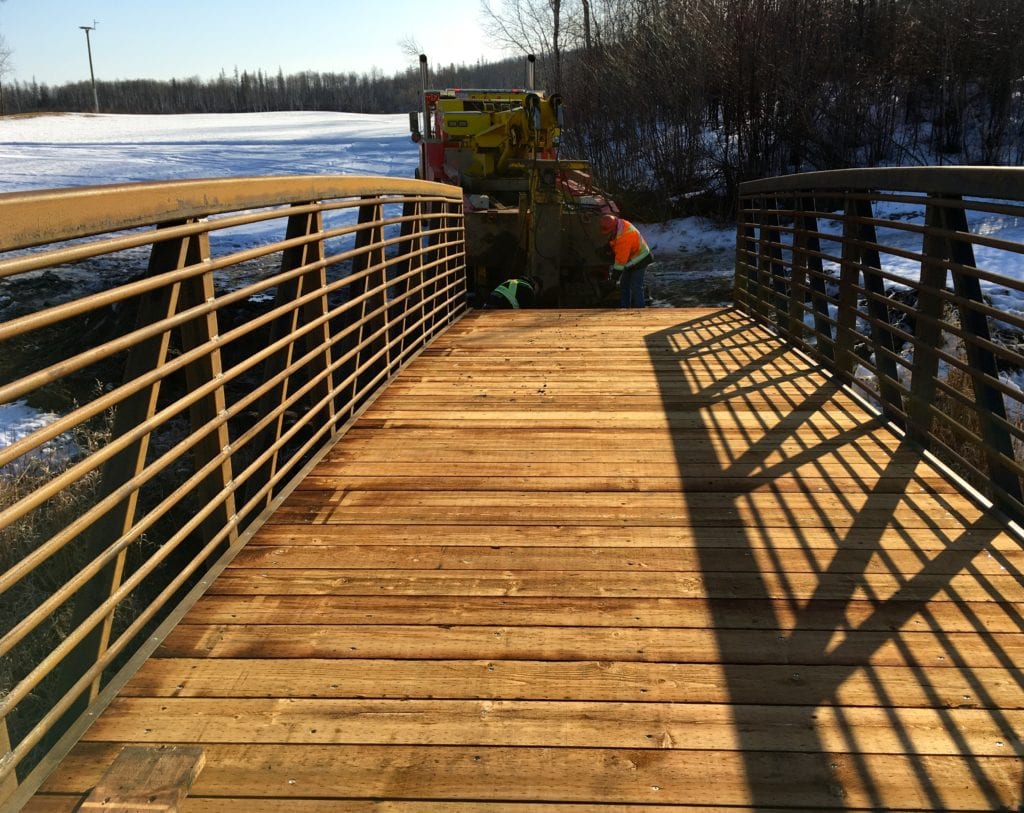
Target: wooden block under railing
column 154, row 779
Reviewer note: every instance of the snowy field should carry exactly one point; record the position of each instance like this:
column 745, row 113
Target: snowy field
column 74, row 150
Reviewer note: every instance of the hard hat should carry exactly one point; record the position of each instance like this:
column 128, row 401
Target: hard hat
column 608, row 223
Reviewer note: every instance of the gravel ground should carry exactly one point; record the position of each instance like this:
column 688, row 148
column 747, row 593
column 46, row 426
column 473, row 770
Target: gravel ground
column 700, row 279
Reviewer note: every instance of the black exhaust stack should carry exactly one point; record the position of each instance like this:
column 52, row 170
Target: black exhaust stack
column 424, row 81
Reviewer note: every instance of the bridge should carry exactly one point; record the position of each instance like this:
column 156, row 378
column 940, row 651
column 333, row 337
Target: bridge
column 320, row 537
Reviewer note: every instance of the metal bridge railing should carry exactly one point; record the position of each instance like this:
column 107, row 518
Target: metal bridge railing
column 188, row 350
column 905, row 282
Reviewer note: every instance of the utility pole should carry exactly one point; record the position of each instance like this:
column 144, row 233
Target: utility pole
column 88, row 45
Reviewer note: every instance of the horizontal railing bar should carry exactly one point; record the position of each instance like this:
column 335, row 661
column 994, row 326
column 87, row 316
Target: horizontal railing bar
column 56, row 543
column 980, row 204
column 113, row 245
column 108, row 246
column 54, row 215
column 906, row 282
column 977, row 181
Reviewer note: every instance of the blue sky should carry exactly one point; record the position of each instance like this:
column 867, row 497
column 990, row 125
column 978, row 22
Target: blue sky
column 143, row 39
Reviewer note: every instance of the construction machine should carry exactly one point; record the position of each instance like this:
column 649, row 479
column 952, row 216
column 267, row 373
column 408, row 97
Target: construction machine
column 528, row 212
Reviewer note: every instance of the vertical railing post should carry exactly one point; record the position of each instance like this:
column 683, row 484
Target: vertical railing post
column 991, row 409
column 409, row 266
column 372, row 333
column 781, row 289
column 745, row 247
column 9, row 784
column 798, row 276
column 764, row 262
column 305, row 226
column 318, row 340
column 816, row 278
column 849, row 273
column 860, row 260
column 197, row 333
column 927, row 328
column 452, row 264
column 883, row 348
column 434, row 221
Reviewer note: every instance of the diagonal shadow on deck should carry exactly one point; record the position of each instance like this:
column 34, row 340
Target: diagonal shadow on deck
column 819, row 628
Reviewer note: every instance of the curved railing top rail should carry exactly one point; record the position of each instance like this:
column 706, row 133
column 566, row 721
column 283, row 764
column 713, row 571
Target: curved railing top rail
column 52, row 215
column 983, row 182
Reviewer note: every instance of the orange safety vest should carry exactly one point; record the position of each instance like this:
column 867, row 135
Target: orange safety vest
column 628, row 246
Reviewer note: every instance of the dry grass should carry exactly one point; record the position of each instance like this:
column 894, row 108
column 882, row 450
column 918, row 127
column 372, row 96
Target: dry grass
column 19, row 539
column 957, row 412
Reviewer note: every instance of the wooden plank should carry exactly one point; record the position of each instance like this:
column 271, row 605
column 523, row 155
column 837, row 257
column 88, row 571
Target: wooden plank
column 812, row 424
column 730, row 454
column 605, row 611
column 53, row 803
column 400, row 478
column 580, row 724
column 222, row 804
column 785, row 684
column 711, row 584
column 924, row 649
column 826, row 540
column 632, row 559
column 814, row 474
column 672, row 402
column 699, row 509
column 146, row 778
column 618, row 776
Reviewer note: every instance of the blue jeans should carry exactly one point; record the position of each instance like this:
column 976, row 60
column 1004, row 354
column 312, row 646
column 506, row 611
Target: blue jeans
column 632, row 284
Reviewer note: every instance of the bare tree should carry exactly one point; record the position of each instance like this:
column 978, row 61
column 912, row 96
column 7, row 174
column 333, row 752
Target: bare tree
column 410, row 47
column 523, row 25
column 5, row 67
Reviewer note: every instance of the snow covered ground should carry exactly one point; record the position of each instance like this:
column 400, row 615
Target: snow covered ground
column 44, row 152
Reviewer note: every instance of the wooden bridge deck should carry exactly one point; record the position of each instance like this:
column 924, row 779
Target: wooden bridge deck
column 621, row 559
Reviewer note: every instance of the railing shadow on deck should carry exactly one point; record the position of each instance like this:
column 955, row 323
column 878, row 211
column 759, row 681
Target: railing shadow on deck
column 885, row 582
column 200, row 344
column 838, row 625
column 826, row 624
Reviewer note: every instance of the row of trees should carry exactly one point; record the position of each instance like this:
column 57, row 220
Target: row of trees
column 245, row 92
column 697, row 95
column 673, row 101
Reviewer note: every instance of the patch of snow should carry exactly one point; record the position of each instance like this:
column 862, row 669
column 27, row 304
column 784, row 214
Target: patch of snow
column 18, row 420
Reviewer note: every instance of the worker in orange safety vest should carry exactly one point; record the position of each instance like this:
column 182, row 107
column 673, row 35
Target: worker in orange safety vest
column 631, row 256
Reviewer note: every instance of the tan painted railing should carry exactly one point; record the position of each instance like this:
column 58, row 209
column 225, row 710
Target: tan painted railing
column 905, row 282
column 197, row 345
